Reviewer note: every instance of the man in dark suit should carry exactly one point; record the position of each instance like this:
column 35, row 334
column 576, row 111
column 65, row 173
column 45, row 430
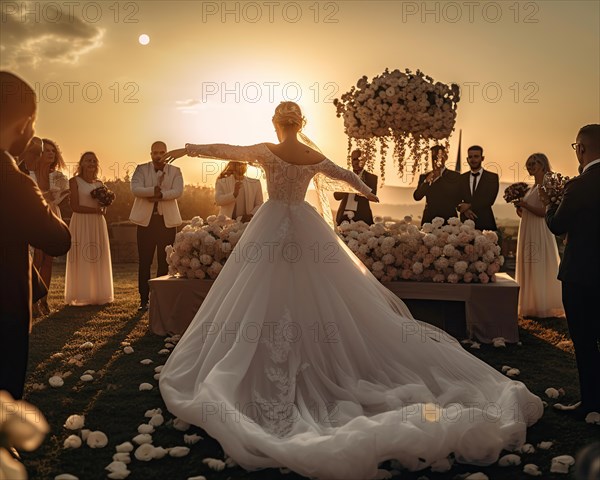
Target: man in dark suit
column 26, row 219
column 578, row 215
column 440, row 187
column 478, row 192
column 356, row 207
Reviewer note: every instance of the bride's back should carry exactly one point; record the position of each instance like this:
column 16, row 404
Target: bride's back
column 295, row 153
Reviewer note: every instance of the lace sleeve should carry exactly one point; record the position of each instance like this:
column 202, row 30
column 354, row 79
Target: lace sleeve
column 253, row 154
column 334, row 178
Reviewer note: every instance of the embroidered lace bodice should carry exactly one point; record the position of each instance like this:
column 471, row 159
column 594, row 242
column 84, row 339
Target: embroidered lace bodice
column 286, row 182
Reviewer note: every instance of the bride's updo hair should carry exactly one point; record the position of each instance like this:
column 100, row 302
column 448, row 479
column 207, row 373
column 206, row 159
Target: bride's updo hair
column 288, row 114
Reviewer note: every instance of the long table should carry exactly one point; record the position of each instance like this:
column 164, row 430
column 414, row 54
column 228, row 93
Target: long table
column 490, row 310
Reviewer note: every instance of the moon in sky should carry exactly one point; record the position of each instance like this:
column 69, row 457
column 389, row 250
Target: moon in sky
column 144, row 39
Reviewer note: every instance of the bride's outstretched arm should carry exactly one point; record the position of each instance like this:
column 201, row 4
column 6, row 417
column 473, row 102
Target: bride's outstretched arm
column 337, row 173
column 222, row 151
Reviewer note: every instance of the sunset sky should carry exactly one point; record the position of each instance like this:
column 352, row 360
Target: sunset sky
column 214, row 72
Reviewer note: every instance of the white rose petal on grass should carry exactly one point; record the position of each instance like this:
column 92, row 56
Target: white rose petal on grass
column 145, row 428
column 593, row 417
column 509, row 460
column 72, row 441
column 97, row 439
column 75, row 422
column 156, row 376
column 214, row 464
column 192, row 439
column 85, row 433
column 477, row 476
column 151, row 413
column 179, row 452
column 545, row 445
column 164, row 351
column 124, row 447
column 146, row 361
column 513, row 372
column 562, row 463
column 89, row 372
column 122, row 457
column 157, row 420
column 180, row 425
column 532, row 469
column 499, row 342
column 158, row 369
column 145, row 386
column 66, row 476
column 169, row 345
column 128, row 350
column 56, row 381
column 86, row 378
column 552, row 392
column 116, row 466
column 86, row 346
column 119, row 475
column 159, row 452
column 527, row 448
column 145, row 452
column 230, row 462
column 505, row 368
column 476, row 345
column 199, row 477
column 65, row 375
column 142, row 438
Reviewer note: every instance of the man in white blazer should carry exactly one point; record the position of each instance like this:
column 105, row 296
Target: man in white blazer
column 236, row 194
column 156, row 187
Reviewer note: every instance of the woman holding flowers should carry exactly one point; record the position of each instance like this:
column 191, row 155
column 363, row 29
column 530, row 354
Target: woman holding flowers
column 537, row 253
column 88, row 277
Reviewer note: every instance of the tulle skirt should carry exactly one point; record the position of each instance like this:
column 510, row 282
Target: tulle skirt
column 88, row 276
column 300, row 358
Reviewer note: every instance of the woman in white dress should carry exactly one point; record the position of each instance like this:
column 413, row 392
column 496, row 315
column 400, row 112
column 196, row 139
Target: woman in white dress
column 540, row 294
column 88, row 277
column 300, row 358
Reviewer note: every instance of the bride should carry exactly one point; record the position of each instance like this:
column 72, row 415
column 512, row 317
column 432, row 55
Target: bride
column 300, row 358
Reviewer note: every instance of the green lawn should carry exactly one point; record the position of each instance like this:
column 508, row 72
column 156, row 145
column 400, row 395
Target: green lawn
column 113, row 404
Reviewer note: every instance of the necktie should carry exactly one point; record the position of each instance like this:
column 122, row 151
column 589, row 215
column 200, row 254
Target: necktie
column 475, row 175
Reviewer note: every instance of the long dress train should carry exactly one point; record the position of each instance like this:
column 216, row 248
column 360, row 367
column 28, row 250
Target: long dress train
column 300, row 358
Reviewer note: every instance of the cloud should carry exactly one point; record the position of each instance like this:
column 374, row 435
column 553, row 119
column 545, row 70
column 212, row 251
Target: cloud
column 33, row 35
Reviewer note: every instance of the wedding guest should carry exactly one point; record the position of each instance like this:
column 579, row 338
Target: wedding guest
column 356, row 207
column 236, row 194
column 29, row 159
column 54, row 186
column 88, row 276
column 439, row 187
column 578, row 215
column 156, row 187
column 537, row 253
column 26, row 219
column 478, row 192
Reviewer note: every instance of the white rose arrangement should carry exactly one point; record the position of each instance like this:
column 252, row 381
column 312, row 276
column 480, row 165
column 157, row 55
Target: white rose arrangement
column 406, row 109
column 202, row 247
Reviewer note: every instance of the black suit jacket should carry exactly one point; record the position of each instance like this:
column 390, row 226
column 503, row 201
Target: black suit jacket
column 442, row 195
column 26, row 220
column 482, row 199
column 363, row 210
column 578, row 215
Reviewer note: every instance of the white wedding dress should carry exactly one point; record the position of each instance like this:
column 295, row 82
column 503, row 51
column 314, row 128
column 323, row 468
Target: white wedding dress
column 300, row 358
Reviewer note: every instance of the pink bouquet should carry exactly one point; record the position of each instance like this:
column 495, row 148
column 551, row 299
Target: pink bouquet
column 552, row 187
column 516, row 192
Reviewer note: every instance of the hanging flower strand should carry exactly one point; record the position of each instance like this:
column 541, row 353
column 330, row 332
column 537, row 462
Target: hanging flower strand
column 409, row 110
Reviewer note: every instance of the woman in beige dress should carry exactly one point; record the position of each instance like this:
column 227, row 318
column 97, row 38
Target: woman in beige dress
column 537, row 253
column 88, row 277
